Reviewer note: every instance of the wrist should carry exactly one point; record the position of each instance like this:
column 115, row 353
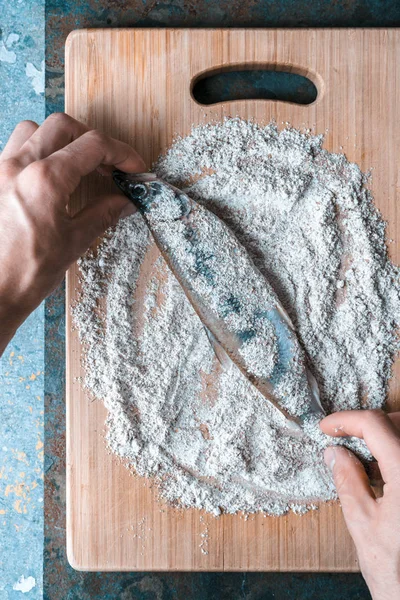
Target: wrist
column 383, row 587
column 384, row 592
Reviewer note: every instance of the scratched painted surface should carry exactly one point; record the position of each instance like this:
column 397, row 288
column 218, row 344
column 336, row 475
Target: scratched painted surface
column 59, row 579
column 21, row 63
column 22, row 366
column 21, row 462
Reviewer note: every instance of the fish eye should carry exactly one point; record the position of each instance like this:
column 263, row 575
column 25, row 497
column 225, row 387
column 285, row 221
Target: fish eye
column 138, row 191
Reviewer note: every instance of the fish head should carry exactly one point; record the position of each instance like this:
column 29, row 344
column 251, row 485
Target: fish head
column 136, row 186
column 153, row 196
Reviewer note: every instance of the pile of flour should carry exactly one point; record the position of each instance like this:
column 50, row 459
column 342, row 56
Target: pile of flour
column 206, row 434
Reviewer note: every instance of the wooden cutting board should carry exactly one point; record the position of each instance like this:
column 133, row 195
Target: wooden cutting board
column 135, row 84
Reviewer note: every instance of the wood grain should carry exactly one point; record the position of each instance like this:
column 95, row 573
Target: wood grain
column 136, row 86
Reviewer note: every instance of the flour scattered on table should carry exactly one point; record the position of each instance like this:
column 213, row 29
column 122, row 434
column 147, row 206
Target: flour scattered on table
column 204, row 536
column 140, row 531
column 206, row 435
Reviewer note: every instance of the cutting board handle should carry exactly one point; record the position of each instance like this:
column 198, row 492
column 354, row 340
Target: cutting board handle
column 231, row 82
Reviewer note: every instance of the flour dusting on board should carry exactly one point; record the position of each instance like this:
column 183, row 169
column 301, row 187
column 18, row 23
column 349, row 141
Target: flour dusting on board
column 205, row 434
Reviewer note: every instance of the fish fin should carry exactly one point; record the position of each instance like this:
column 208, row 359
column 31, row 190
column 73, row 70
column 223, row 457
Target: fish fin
column 219, row 352
column 317, row 407
column 284, row 315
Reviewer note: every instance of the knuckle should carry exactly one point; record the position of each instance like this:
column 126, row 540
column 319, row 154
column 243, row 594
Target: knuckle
column 38, row 174
column 374, row 415
column 96, row 136
column 26, row 126
column 341, row 477
column 10, row 168
column 59, row 118
column 40, row 169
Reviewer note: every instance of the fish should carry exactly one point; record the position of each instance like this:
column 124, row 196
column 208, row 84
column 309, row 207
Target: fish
column 244, row 319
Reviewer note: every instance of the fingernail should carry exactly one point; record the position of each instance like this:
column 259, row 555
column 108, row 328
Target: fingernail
column 329, row 457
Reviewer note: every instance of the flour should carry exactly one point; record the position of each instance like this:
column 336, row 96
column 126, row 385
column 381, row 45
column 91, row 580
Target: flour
column 206, row 434
column 261, row 352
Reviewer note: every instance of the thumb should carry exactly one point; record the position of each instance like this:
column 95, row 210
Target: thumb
column 351, row 481
column 99, row 215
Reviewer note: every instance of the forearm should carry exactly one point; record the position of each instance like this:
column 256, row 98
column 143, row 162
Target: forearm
column 10, row 319
column 16, row 306
column 5, row 339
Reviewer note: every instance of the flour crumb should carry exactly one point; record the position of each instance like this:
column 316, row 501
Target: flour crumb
column 204, row 537
column 139, row 532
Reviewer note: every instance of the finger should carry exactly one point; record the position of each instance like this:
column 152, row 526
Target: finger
column 395, row 418
column 99, row 215
column 378, row 431
column 85, row 154
column 351, row 481
column 57, row 131
column 22, row 132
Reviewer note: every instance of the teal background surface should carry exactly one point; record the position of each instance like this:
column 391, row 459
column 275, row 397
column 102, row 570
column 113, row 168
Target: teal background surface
column 22, row 366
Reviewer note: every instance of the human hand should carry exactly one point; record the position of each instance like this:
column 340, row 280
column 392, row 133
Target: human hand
column 373, row 523
column 40, row 167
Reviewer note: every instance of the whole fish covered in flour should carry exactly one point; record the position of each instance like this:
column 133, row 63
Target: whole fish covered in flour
column 243, row 317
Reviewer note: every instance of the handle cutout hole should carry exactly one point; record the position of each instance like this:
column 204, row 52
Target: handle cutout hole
column 253, row 84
